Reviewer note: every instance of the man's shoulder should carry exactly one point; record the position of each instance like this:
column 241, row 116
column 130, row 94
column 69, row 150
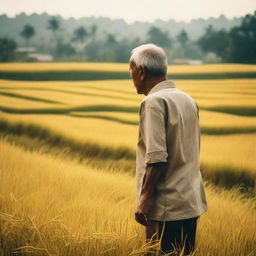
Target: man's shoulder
column 170, row 97
column 153, row 100
column 160, row 96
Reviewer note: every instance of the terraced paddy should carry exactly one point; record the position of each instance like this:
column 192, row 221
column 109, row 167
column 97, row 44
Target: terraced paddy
column 100, row 113
column 103, row 71
column 69, row 147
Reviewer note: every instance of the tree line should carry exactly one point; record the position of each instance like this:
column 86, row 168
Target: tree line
column 238, row 45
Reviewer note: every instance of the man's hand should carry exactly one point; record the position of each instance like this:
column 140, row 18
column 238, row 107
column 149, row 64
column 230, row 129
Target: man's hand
column 153, row 175
column 142, row 210
column 141, row 219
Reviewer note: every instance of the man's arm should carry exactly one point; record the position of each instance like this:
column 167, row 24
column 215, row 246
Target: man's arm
column 155, row 172
column 153, row 132
column 199, row 125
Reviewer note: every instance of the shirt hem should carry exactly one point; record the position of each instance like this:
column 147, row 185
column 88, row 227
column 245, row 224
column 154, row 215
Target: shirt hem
column 165, row 218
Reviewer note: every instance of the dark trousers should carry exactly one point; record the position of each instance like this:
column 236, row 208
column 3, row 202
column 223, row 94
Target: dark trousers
column 173, row 235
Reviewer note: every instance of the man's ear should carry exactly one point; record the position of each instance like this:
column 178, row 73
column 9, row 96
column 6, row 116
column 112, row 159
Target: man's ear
column 142, row 73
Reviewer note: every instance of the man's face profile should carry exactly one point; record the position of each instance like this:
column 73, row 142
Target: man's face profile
column 135, row 75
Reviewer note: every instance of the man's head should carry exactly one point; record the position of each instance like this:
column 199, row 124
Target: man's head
column 148, row 66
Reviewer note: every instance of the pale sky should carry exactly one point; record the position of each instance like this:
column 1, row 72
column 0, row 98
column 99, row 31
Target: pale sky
column 132, row 10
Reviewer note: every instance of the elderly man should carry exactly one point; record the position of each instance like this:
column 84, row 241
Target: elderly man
column 170, row 190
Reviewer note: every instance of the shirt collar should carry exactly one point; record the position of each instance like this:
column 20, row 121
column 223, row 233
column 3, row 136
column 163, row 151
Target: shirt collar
column 162, row 85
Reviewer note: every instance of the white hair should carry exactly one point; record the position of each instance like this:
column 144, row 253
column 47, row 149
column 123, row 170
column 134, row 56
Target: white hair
column 152, row 57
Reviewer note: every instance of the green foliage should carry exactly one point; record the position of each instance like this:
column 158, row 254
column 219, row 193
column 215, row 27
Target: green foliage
column 92, row 51
column 93, row 30
column 214, row 41
column 80, row 34
column 28, row 32
column 7, row 49
column 110, row 49
column 243, row 41
column 156, row 36
column 64, row 49
column 86, row 44
column 53, row 24
column 182, row 37
column 236, row 46
column 59, row 47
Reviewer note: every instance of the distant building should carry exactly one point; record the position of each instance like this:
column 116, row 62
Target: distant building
column 31, row 53
column 26, row 50
column 41, row 56
column 187, row 61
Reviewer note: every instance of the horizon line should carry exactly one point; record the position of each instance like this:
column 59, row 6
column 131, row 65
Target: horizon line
column 121, row 18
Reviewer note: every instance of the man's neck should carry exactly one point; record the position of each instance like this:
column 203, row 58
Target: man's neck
column 152, row 83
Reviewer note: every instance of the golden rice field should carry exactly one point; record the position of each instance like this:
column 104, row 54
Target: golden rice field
column 67, row 163
column 123, row 67
column 104, row 71
column 102, row 112
column 51, row 206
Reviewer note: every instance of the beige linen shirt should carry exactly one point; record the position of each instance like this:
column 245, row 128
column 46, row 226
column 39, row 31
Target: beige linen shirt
column 169, row 132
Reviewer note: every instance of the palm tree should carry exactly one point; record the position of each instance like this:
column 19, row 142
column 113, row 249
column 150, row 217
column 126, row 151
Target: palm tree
column 94, row 29
column 183, row 37
column 80, row 35
column 28, row 32
column 54, row 26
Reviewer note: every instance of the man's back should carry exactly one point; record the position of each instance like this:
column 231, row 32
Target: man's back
column 169, row 131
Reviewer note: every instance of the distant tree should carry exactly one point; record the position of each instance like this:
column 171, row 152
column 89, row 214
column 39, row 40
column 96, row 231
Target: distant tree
column 111, row 40
column 80, row 36
column 182, row 37
column 64, row 49
column 242, row 46
column 93, row 50
column 28, row 32
column 214, row 41
column 124, row 47
column 93, row 31
column 103, row 50
column 108, row 51
column 53, row 24
column 237, row 45
column 158, row 37
column 209, row 29
column 7, row 49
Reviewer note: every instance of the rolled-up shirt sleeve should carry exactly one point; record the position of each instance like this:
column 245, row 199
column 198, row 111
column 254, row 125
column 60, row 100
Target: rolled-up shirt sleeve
column 154, row 135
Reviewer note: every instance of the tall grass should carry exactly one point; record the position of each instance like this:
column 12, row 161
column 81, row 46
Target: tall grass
column 52, row 206
column 227, row 166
